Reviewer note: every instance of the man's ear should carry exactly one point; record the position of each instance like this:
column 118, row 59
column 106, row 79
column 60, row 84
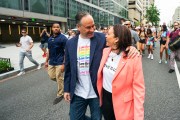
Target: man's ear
column 78, row 26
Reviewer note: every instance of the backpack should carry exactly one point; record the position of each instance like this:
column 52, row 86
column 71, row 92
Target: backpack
column 175, row 44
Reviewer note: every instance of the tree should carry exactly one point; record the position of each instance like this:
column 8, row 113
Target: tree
column 137, row 23
column 152, row 15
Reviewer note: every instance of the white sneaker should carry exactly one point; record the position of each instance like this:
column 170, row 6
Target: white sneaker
column 160, row 61
column 39, row 66
column 149, row 56
column 21, row 73
column 165, row 61
column 152, row 57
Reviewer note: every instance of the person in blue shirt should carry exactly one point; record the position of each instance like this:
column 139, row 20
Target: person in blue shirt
column 44, row 41
column 55, row 59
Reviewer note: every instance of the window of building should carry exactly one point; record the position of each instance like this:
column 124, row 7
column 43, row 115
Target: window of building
column 95, row 2
column 73, row 9
column 51, row 7
column 16, row 4
column 59, row 8
column 26, row 5
column 95, row 14
column 87, row 0
column 39, row 6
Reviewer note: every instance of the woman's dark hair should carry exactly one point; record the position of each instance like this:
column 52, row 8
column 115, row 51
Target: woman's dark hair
column 164, row 28
column 80, row 15
column 124, row 36
column 149, row 31
column 142, row 31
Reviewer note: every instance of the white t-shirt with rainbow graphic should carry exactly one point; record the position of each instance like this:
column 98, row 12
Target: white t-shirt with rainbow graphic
column 84, row 86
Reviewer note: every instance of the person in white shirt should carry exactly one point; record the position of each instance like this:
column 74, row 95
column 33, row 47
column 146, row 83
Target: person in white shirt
column 26, row 43
column 82, row 58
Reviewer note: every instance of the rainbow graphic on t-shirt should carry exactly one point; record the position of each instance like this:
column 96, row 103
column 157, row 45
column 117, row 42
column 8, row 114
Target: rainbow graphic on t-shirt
column 83, row 59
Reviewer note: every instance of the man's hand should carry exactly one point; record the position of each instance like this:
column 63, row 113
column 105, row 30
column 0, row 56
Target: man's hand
column 43, row 31
column 132, row 51
column 28, row 50
column 46, row 65
column 18, row 44
column 67, row 97
column 62, row 68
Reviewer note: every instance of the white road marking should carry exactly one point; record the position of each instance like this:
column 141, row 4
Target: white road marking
column 177, row 73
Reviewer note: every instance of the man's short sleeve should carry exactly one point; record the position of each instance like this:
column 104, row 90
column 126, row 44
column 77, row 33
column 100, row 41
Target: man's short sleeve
column 30, row 39
column 136, row 37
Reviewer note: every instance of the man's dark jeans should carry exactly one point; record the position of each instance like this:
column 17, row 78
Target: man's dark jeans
column 79, row 105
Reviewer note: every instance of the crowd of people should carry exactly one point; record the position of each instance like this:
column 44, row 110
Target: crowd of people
column 101, row 69
column 146, row 37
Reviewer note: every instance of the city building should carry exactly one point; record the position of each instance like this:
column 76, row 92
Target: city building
column 150, row 1
column 34, row 15
column 176, row 15
column 146, row 5
column 135, row 10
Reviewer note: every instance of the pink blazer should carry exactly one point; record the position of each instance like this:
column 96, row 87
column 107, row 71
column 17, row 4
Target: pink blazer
column 128, row 89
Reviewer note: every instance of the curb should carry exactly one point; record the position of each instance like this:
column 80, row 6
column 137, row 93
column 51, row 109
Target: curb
column 15, row 72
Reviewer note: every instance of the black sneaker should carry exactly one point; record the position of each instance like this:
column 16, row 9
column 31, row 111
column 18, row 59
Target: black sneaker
column 171, row 70
column 57, row 100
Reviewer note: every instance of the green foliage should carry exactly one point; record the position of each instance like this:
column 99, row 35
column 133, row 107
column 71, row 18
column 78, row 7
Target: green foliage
column 4, row 65
column 152, row 15
column 137, row 23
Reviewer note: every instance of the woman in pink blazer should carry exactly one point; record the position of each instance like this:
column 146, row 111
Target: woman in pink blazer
column 120, row 79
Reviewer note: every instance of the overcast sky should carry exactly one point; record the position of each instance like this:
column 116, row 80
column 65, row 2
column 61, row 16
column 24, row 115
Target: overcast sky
column 167, row 9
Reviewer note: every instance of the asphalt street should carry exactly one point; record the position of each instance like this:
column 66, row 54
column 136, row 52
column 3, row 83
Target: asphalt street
column 30, row 97
column 162, row 100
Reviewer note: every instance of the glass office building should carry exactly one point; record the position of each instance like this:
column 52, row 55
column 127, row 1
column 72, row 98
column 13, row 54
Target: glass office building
column 36, row 14
column 104, row 12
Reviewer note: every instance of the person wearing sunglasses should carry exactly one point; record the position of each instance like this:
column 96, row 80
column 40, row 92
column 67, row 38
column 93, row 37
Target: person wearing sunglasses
column 134, row 35
column 105, row 30
column 26, row 44
column 173, row 36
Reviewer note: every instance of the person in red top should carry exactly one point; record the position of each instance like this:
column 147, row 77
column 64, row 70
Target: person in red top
column 172, row 36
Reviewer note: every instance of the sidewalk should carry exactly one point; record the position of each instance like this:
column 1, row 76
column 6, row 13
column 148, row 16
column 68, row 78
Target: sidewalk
column 12, row 52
